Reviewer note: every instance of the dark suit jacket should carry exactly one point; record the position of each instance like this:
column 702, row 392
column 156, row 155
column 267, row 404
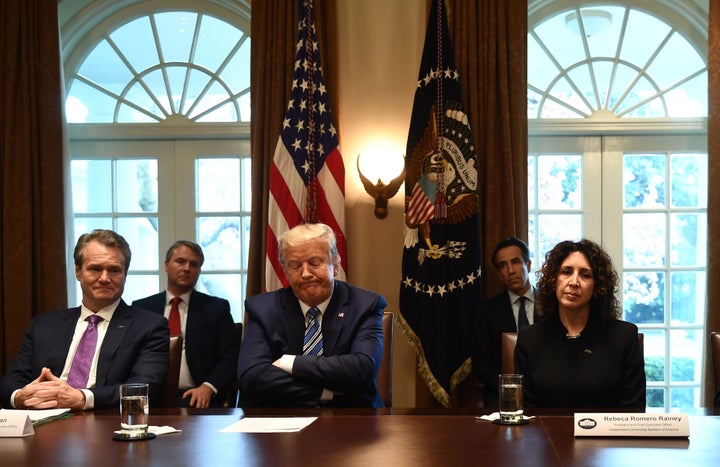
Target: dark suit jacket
column 495, row 317
column 211, row 342
column 135, row 349
column 352, row 350
column 603, row 368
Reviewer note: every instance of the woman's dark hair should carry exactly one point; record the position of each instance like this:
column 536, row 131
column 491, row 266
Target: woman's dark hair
column 604, row 303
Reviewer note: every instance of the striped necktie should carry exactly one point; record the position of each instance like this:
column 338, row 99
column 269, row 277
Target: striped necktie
column 313, row 344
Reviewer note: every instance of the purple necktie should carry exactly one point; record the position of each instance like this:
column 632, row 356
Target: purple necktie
column 80, row 369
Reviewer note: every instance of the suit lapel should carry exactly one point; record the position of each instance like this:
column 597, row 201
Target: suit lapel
column 333, row 320
column 119, row 325
column 292, row 320
column 66, row 330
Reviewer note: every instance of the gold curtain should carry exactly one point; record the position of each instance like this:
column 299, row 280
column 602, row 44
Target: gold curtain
column 272, row 55
column 713, row 266
column 32, row 252
column 490, row 41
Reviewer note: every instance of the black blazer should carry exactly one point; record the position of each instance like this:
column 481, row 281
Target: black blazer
column 210, row 340
column 352, row 350
column 604, row 367
column 495, row 317
column 135, row 349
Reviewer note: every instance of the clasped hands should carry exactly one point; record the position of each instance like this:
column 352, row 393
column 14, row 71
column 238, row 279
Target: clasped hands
column 48, row 391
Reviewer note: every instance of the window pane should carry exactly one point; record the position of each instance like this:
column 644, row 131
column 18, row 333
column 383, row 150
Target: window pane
column 218, row 182
column 654, row 350
column 644, row 297
column 685, row 356
column 655, row 397
column 684, row 397
column 644, row 240
column 689, row 180
column 665, row 70
column 236, row 73
column 642, row 29
column 246, row 184
column 554, row 228
column 175, row 31
column 141, row 233
column 644, row 180
column 132, row 39
column 220, row 240
column 104, row 67
column 560, row 182
column 688, row 239
column 83, row 225
column 137, row 185
column 216, row 41
column 91, row 185
column 688, row 297
column 688, row 99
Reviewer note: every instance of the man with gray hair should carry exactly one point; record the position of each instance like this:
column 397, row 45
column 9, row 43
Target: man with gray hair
column 317, row 342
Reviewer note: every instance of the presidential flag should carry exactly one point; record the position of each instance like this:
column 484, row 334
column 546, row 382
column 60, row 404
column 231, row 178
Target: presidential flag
column 441, row 282
column 307, row 177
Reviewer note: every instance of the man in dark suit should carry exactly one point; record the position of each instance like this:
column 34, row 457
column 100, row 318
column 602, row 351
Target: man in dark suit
column 210, row 341
column 285, row 359
column 128, row 344
column 502, row 313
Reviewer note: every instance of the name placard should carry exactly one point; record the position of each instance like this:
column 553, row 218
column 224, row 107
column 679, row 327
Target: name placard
column 632, row 424
column 15, row 423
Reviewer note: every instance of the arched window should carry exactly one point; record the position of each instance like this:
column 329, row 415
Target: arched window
column 158, row 105
column 617, row 107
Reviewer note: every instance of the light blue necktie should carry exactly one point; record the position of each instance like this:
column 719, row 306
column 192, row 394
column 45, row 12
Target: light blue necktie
column 313, row 344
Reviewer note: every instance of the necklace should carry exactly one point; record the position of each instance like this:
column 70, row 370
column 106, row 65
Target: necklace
column 572, row 336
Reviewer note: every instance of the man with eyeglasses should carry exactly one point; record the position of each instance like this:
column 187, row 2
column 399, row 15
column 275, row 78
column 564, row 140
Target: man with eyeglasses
column 317, row 342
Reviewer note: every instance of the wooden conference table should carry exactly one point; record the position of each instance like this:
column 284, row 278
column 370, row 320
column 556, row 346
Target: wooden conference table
column 352, row 437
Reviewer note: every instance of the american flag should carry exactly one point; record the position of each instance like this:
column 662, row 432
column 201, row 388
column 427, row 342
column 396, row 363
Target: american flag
column 307, row 177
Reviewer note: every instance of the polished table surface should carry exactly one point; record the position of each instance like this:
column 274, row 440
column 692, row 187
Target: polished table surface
column 350, row 437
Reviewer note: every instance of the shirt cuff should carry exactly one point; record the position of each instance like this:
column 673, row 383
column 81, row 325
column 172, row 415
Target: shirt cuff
column 286, row 363
column 89, row 399
column 327, row 395
column 211, row 387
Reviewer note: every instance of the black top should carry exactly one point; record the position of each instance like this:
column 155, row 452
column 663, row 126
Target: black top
column 603, row 367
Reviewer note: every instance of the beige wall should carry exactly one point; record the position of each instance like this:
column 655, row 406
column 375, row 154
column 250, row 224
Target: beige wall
column 380, row 48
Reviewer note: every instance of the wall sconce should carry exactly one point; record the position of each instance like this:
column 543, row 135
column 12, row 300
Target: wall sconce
column 381, row 192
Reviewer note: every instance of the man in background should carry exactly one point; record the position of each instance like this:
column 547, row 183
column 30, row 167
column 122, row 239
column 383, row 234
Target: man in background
column 77, row 358
column 210, row 341
column 505, row 312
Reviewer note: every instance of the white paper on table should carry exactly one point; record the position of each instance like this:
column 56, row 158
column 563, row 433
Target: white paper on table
column 269, row 425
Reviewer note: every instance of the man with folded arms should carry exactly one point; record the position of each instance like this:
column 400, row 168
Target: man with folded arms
column 318, row 341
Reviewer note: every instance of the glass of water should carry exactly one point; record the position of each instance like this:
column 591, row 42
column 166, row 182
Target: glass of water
column 511, row 398
column 134, row 410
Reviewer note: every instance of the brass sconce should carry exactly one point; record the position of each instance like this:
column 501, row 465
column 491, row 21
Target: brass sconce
column 381, row 192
